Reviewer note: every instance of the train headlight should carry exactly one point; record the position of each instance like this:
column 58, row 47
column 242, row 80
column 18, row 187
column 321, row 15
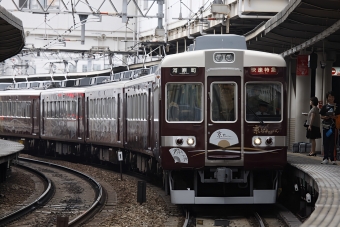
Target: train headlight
column 218, row 57
column 257, row 141
column 229, row 57
column 190, row 141
column 269, row 141
column 179, row 141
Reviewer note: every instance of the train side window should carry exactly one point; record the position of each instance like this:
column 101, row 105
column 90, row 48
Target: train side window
column 29, row 109
column 105, row 104
column 184, row 102
column 108, row 108
column 128, row 107
column 96, row 108
column 140, row 106
column 47, row 113
column 114, row 107
column 9, row 108
column 57, row 109
column 90, row 109
column 0, row 108
column 101, row 108
column 74, row 109
column 264, row 101
column 52, row 109
column 5, row 108
column 15, row 107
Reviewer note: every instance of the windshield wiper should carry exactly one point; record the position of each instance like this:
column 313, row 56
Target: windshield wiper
column 257, row 117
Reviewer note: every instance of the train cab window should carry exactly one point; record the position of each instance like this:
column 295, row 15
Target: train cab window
column 184, row 102
column 223, row 105
column 264, row 102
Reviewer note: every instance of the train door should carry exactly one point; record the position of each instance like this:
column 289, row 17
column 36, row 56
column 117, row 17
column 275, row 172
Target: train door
column 149, row 117
column 118, row 117
column 44, row 113
column 88, row 117
column 223, row 118
column 35, row 117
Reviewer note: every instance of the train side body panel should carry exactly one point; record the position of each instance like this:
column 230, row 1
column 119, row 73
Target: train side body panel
column 139, row 95
column 19, row 111
column 104, row 115
column 63, row 115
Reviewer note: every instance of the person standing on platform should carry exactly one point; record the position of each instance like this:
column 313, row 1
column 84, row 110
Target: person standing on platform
column 313, row 122
column 328, row 114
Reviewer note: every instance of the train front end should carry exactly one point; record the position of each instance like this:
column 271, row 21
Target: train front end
column 223, row 126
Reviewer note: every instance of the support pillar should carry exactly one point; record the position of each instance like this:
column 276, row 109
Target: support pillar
column 302, row 105
column 320, row 94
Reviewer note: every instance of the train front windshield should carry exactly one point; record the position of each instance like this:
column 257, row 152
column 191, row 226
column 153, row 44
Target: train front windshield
column 264, row 102
column 184, row 102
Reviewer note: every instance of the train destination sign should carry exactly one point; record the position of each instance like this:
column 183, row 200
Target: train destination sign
column 184, row 71
column 269, row 70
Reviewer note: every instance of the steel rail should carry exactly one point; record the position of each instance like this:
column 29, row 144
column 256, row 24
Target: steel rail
column 42, row 199
column 98, row 189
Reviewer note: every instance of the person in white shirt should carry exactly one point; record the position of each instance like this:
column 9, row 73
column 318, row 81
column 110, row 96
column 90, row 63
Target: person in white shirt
column 263, row 108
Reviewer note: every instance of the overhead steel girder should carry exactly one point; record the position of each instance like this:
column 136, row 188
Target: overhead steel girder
column 313, row 40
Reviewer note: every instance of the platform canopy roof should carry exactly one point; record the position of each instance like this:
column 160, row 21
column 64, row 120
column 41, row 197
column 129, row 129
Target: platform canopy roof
column 301, row 25
column 12, row 38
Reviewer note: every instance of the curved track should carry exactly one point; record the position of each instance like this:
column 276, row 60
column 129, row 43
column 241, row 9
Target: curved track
column 46, row 195
column 76, row 196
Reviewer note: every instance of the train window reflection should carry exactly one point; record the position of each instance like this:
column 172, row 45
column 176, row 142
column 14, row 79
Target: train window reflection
column 263, row 101
column 184, row 102
column 222, row 101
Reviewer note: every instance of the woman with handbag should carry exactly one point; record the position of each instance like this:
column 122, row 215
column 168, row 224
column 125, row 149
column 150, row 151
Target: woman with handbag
column 328, row 114
column 313, row 124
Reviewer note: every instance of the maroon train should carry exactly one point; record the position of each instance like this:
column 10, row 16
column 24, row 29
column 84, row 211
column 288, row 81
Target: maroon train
column 211, row 121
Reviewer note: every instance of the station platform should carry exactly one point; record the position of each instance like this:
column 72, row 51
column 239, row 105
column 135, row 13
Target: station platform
column 8, row 151
column 326, row 181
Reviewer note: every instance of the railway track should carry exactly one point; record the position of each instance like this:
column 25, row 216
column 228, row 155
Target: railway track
column 68, row 193
column 121, row 207
column 44, row 190
column 245, row 216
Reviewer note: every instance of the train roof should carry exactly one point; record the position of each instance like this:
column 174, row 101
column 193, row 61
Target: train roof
column 65, row 90
column 118, row 84
column 251, row 58
column 20, row 92
column 150, row 77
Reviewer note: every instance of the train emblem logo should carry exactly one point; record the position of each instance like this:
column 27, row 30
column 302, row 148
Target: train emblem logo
column 179, row 155
column 223, row 138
